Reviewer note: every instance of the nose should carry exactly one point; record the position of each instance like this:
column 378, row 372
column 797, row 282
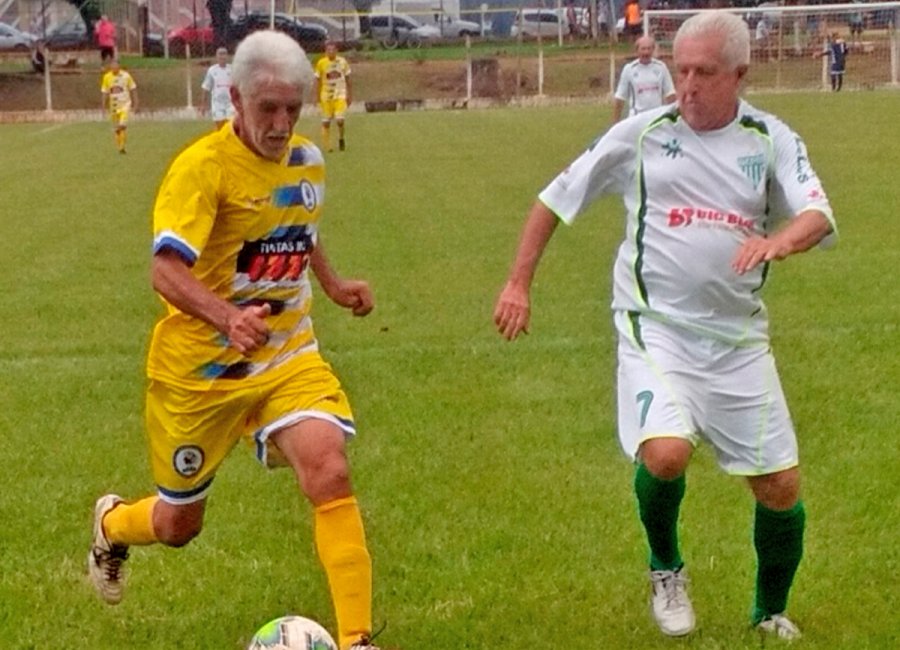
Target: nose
column 282, row 120
column 687, row 81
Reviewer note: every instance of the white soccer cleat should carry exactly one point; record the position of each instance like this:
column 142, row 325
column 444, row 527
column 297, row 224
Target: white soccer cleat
column 779, row 625
column 671, row 606
column 105, row 559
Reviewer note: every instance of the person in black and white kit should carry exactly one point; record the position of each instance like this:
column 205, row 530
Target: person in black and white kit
column 645, row 83
column 715, row 192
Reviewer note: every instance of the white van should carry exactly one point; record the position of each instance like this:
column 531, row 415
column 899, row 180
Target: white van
column 546, row 22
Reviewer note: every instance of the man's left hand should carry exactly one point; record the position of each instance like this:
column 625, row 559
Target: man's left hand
column 355, row 295
column 757, row 250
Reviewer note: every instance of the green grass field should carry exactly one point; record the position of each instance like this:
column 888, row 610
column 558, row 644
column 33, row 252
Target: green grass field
column 499, row 509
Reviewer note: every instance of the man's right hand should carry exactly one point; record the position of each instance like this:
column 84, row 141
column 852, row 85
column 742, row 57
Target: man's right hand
column 247, row 330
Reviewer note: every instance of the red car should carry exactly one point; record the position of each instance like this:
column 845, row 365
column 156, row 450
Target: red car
column 199, row 36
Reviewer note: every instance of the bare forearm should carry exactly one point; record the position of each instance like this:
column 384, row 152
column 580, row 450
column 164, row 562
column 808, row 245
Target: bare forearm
column 617, row 110
column 539, row 228
column 173, row 280
column 352, row 294
column 322, row 269
column 805, row 231
column 512, row 312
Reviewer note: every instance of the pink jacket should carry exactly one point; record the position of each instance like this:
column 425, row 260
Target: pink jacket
column 105, row 33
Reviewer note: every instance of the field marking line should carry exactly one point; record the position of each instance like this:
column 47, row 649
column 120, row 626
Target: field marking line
column 53, row 127
column 387, row 348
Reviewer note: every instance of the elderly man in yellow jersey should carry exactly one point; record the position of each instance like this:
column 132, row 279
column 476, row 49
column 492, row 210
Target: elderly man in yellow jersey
column 119, row 94
column 333, row 88
column 236, row 233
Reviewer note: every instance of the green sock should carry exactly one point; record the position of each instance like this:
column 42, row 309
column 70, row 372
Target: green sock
column 658, row 504
column 778, row 538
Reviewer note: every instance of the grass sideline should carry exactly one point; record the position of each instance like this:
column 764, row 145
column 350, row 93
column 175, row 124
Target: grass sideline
column 499, row 509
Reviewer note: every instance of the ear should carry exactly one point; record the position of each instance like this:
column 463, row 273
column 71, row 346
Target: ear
column 742, row 71
column 235, row 98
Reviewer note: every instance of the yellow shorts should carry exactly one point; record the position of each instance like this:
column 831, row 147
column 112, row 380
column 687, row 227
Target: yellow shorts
column 333, row 108
column 119, row 116
column 190, row 432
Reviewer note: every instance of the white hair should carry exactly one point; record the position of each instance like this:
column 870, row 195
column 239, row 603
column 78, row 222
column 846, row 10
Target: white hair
column 267, row 55
column 731, row 28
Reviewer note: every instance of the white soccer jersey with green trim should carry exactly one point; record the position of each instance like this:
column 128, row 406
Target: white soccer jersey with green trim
column 692, row 199
column 644, row 86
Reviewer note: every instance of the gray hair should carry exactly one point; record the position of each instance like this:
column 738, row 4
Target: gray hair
column 267, row 55
column 731, row 28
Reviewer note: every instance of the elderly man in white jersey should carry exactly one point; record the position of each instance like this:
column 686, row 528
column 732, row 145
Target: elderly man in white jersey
column 217, row 89
column 715, row 192
column 645, row 83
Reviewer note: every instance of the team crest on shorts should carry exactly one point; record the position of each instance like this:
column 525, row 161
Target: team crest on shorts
column 187, row 460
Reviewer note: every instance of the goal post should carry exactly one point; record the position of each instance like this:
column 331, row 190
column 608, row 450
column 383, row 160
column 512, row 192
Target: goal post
column 787, row 42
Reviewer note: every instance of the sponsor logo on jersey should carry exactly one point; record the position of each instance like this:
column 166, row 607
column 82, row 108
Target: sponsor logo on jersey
column 802, row 161
column 815, row 194
column 281, row 256
column 683, row 217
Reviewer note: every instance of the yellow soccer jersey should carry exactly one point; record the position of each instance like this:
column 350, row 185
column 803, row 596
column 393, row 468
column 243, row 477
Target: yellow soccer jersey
column 246, row 226
column 333, row 77
column 118, row 85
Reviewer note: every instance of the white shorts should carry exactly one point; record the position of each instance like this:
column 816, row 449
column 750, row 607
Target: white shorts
column 674, row 383
column 221, row 112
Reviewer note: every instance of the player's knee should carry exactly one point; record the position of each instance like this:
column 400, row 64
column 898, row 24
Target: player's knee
column 327, row 477
column 778, row 491
column 666, row 458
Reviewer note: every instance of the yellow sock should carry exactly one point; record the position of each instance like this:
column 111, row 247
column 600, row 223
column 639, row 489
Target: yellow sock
column 131, row 524
column 341, row 544
column 326, row 136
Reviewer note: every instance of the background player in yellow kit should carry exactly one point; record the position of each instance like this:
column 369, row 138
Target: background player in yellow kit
column 235, row 356
column 334, row 90
column 119, row 98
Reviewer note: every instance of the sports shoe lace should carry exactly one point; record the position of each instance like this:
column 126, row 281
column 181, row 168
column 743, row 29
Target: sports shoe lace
column 674, row 589
column 111, row 561
column 365, row 641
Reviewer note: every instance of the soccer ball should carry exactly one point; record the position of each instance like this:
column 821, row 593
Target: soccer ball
column 292, row 633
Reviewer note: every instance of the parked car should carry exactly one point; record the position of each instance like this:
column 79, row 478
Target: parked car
column 311, row 37
column 73, row 35
column 13, row 40
column 393, row 30
column 549, row 21
column 451, row 27
column 153, row 45
column 198, row 35
column 531, row 22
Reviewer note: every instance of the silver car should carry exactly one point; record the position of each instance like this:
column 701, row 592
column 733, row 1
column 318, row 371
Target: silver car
column 393, row 30
column 11, row 39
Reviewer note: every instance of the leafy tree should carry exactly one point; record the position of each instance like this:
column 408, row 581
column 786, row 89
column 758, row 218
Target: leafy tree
column 220, row 19
column 89, row 11
column 363, row 8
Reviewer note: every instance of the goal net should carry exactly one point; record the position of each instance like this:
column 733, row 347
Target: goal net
column 788, row 42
